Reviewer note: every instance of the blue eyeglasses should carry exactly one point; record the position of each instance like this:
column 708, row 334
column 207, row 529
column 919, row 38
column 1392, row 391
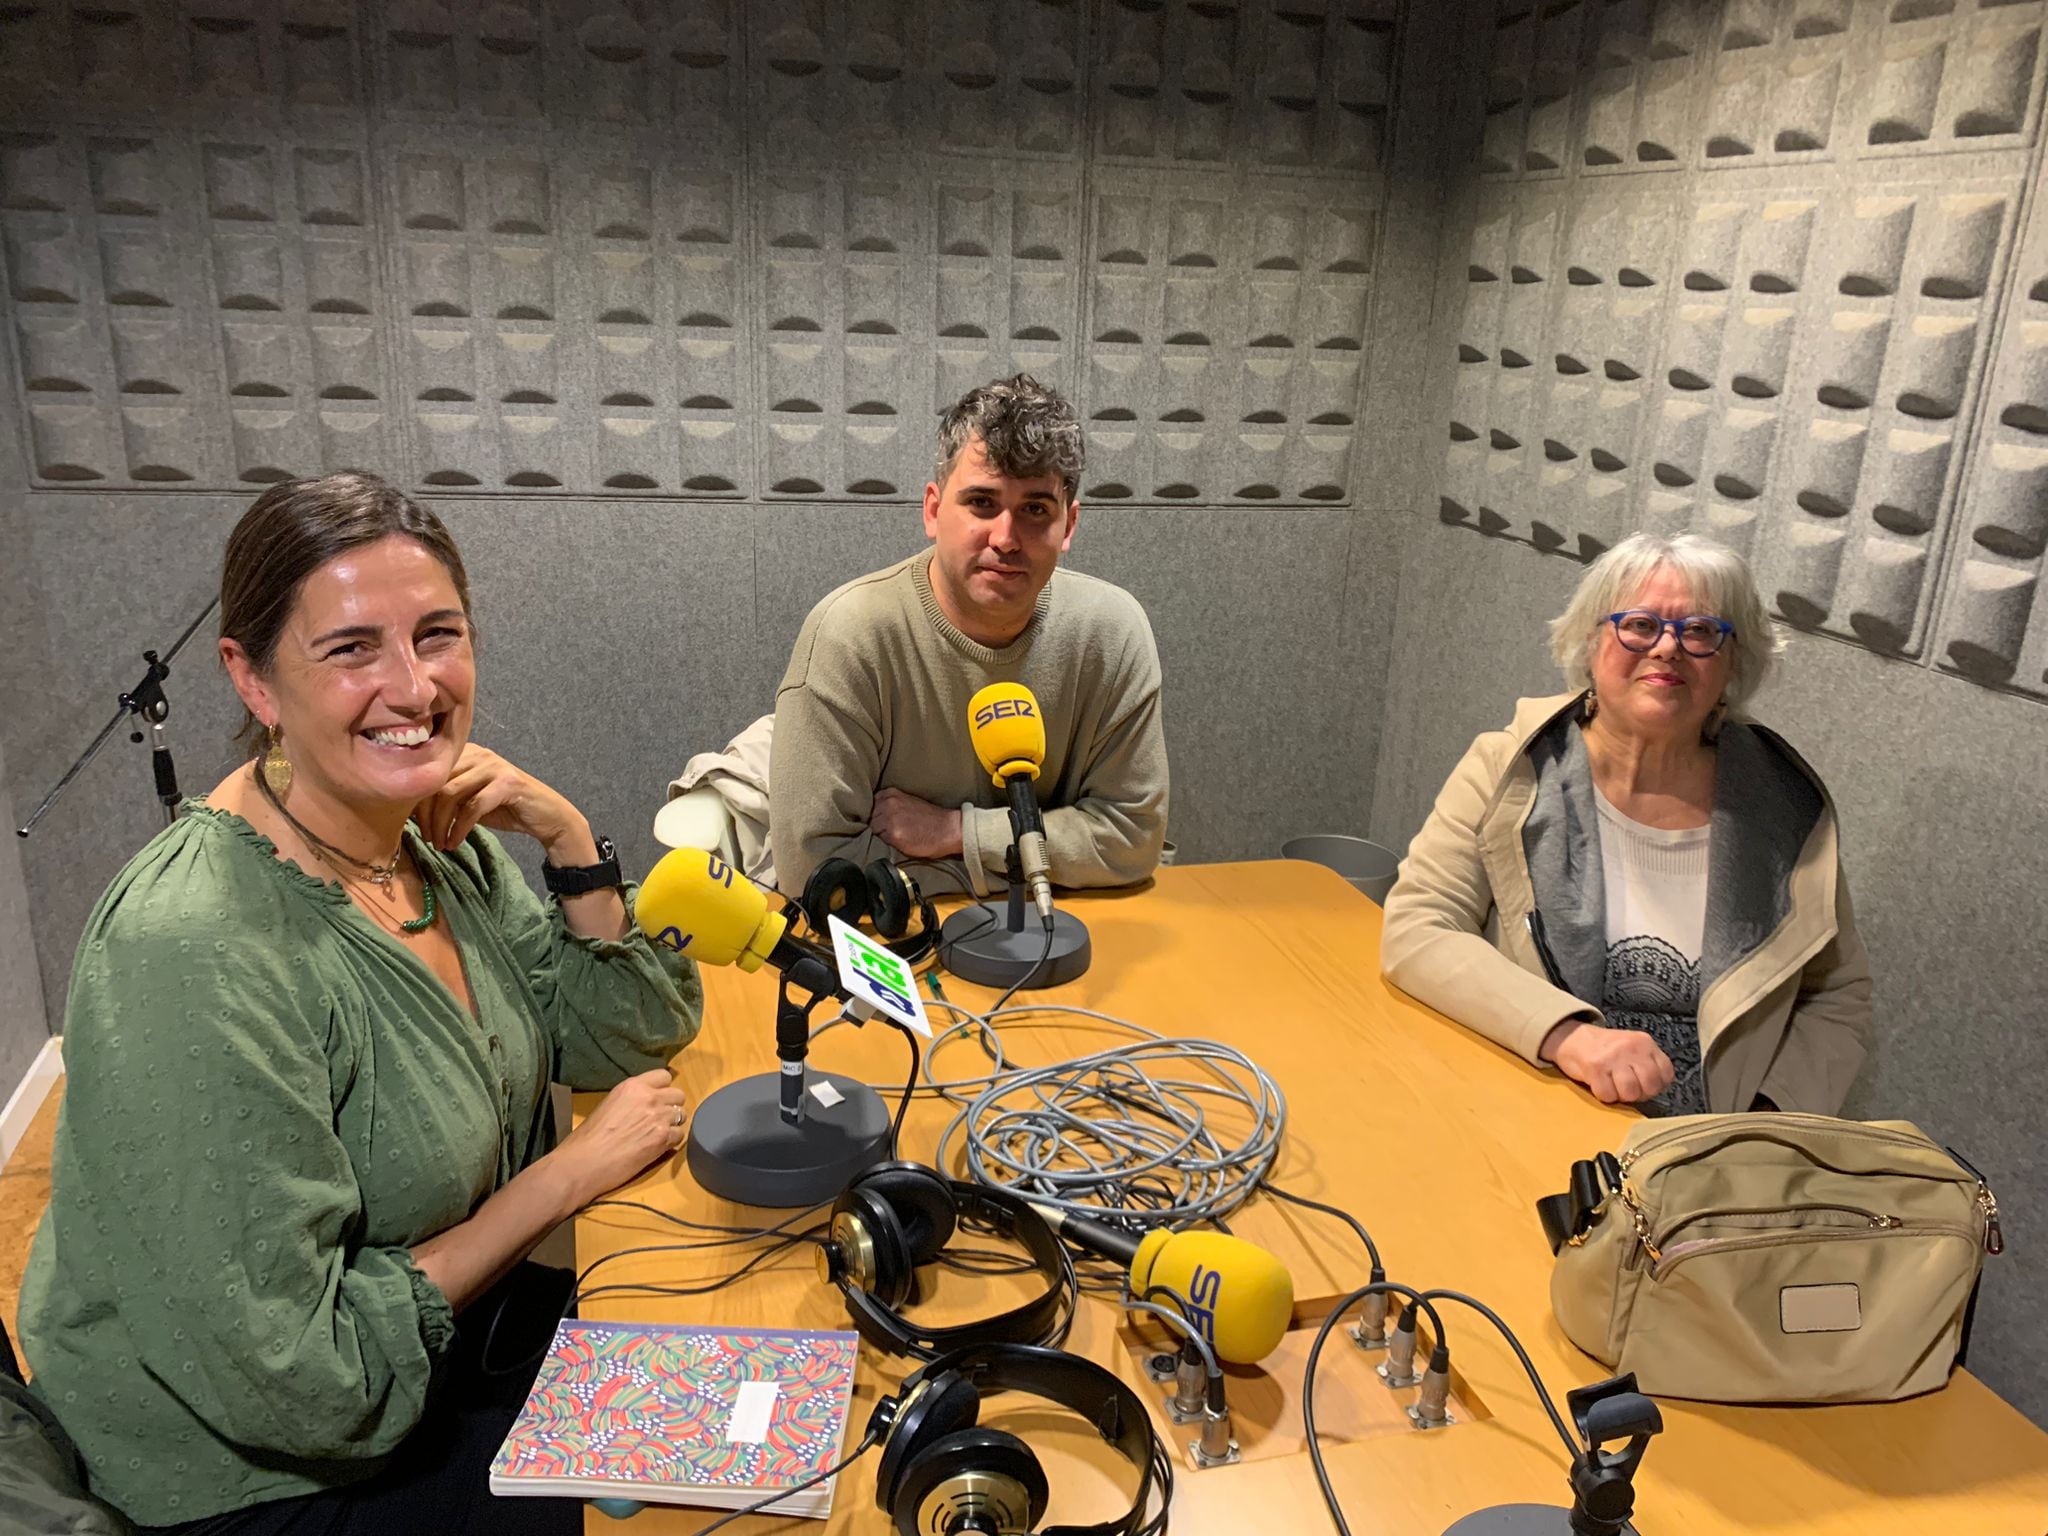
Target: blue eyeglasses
column 1700, row 634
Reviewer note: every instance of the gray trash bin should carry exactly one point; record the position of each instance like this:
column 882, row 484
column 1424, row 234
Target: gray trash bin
column 1369, row 867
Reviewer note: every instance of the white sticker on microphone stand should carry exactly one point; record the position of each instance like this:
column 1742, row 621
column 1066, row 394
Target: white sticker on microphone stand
column 876, row 974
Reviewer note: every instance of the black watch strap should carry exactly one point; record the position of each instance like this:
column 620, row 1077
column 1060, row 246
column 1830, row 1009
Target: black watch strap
column 603, row 875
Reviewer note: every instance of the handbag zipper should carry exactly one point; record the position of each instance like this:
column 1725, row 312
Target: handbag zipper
column 1661, row 1267
column 1874, row 1218
column 1843, row 1127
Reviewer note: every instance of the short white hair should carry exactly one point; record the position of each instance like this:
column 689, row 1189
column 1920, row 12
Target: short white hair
column 1717, row 577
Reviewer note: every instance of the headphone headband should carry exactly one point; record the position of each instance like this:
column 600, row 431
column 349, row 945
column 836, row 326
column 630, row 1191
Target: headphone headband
column 1043, row 1320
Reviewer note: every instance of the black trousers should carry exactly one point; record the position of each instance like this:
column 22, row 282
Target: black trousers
column 439, row 1479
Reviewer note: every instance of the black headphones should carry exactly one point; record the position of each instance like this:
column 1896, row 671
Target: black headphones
column 896, row 1216
column 881, row 894
column 942, row 1474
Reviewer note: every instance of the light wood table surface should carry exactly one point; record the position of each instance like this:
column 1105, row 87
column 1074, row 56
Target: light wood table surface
column 1440, row 1142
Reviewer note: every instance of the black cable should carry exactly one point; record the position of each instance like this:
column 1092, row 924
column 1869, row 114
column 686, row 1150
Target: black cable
column 1308, row 1381
column 985, row 1261
column 1346, row 1217
column 909, row 1088
column 867, row 1442
column 1571, row 1444
column 649, row 1288
column 729, row 1234
column 1019, row 984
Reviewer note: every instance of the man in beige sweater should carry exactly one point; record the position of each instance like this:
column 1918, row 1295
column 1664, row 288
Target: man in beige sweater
column 871, row 754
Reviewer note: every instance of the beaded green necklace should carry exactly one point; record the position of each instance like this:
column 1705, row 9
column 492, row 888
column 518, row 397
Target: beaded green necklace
column 376, row 874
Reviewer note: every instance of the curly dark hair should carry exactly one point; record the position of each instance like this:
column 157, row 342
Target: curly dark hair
column 1025, row 428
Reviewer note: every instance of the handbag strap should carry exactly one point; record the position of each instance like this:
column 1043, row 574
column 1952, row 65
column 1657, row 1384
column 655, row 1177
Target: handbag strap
column 1568, row 1215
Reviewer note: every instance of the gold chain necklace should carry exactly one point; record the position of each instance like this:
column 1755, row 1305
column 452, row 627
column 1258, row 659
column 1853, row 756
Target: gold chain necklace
column 380, row 875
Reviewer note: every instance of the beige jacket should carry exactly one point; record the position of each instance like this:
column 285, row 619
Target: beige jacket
column 1788, row 1016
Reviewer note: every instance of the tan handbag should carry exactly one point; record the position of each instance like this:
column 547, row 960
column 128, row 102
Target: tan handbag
column 1772, row 1257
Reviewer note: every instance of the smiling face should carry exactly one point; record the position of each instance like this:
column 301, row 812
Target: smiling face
column 998, row 539
column 373, row 678
column 1662, row 692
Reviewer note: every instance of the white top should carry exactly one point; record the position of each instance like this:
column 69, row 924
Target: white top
column 1656, row 887
column 1656, row 880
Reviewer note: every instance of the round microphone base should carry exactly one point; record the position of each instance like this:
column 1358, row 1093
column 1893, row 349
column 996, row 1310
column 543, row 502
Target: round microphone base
column 1521, row 1520
column 976, row 945
column 741, row 1148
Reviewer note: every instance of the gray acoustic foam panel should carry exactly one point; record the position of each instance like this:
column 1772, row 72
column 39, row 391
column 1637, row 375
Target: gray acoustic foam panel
column 1995, row 628
column 693, row 250
column 1738, row 268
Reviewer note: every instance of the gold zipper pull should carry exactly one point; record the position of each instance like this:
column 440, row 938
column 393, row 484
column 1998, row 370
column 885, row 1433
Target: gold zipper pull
column 1886, row 1222
column 1994, row 1237
column 1631, row 1199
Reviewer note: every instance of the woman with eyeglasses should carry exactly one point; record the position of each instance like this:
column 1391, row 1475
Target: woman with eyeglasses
column 1634, row 884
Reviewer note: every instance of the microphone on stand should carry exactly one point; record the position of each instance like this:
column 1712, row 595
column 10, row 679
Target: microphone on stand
column 982, row 943
column 786, row 1138
column 1009, row 738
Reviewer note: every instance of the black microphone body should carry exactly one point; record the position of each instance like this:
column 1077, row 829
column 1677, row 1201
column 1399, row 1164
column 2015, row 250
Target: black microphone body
column 1098, row 1237
column 1027, row 827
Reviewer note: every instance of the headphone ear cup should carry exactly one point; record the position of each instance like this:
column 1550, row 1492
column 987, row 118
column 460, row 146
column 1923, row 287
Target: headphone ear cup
column 893, row 1269
column 890, row 899
column 921, row 1199
column 946, row 1403
column 837, row 888
column 981, row 1470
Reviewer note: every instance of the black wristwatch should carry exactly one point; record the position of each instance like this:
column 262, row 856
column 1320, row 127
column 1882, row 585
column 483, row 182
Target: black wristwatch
column 584, row 879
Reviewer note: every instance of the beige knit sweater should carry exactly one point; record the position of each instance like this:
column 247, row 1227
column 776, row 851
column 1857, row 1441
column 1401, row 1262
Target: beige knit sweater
column 876, row 697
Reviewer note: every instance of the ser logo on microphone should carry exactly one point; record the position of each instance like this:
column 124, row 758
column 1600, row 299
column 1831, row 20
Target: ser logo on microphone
column 1003, row 709
column 1205, row 1288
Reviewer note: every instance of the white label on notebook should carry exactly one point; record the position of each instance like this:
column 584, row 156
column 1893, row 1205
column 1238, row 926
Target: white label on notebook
column 751, row 1412
column 826, row 1094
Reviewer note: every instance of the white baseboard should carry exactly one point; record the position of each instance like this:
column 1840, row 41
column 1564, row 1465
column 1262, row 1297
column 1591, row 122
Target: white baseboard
column 20, row 1113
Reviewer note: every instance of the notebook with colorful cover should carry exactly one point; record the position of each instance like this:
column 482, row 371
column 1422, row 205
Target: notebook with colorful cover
column 711, row 1416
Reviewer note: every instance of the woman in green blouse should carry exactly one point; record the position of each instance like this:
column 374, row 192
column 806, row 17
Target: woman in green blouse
column 305, row 1142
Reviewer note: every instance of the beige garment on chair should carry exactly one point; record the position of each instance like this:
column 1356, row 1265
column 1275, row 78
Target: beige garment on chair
column 738, row 776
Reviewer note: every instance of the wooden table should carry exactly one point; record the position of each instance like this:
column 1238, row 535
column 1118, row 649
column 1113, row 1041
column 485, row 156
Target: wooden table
column 1440, row 1142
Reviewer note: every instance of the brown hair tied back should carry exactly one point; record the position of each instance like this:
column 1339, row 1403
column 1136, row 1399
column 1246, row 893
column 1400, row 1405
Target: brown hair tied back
column 292, row 530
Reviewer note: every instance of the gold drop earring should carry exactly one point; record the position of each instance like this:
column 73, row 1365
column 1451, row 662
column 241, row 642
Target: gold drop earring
column 276, row 768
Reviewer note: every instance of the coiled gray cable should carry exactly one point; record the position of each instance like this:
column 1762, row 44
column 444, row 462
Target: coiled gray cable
column 1114, row 1130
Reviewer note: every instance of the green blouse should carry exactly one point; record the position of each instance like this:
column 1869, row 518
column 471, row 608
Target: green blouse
column 267, row 1102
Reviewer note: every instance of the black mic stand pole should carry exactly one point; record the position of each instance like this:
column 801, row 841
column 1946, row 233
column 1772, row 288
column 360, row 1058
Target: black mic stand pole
column 150, row 708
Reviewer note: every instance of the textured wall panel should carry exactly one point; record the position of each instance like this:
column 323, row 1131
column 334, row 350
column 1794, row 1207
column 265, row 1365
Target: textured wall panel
column 1006, row 288
column 1819, row 373
column 1995, row 627
column 1006, row 75
column 1618, row 85
column 846, row 357
column 1780, row 344
column 112, row 317
column 1227, row 326
column 1301, row 87
column 1564, row 308
column 298, row 293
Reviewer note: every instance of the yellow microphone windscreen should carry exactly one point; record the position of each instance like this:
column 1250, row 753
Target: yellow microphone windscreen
column 1008, row 731
column 695, row 903
column 1240, row 1296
